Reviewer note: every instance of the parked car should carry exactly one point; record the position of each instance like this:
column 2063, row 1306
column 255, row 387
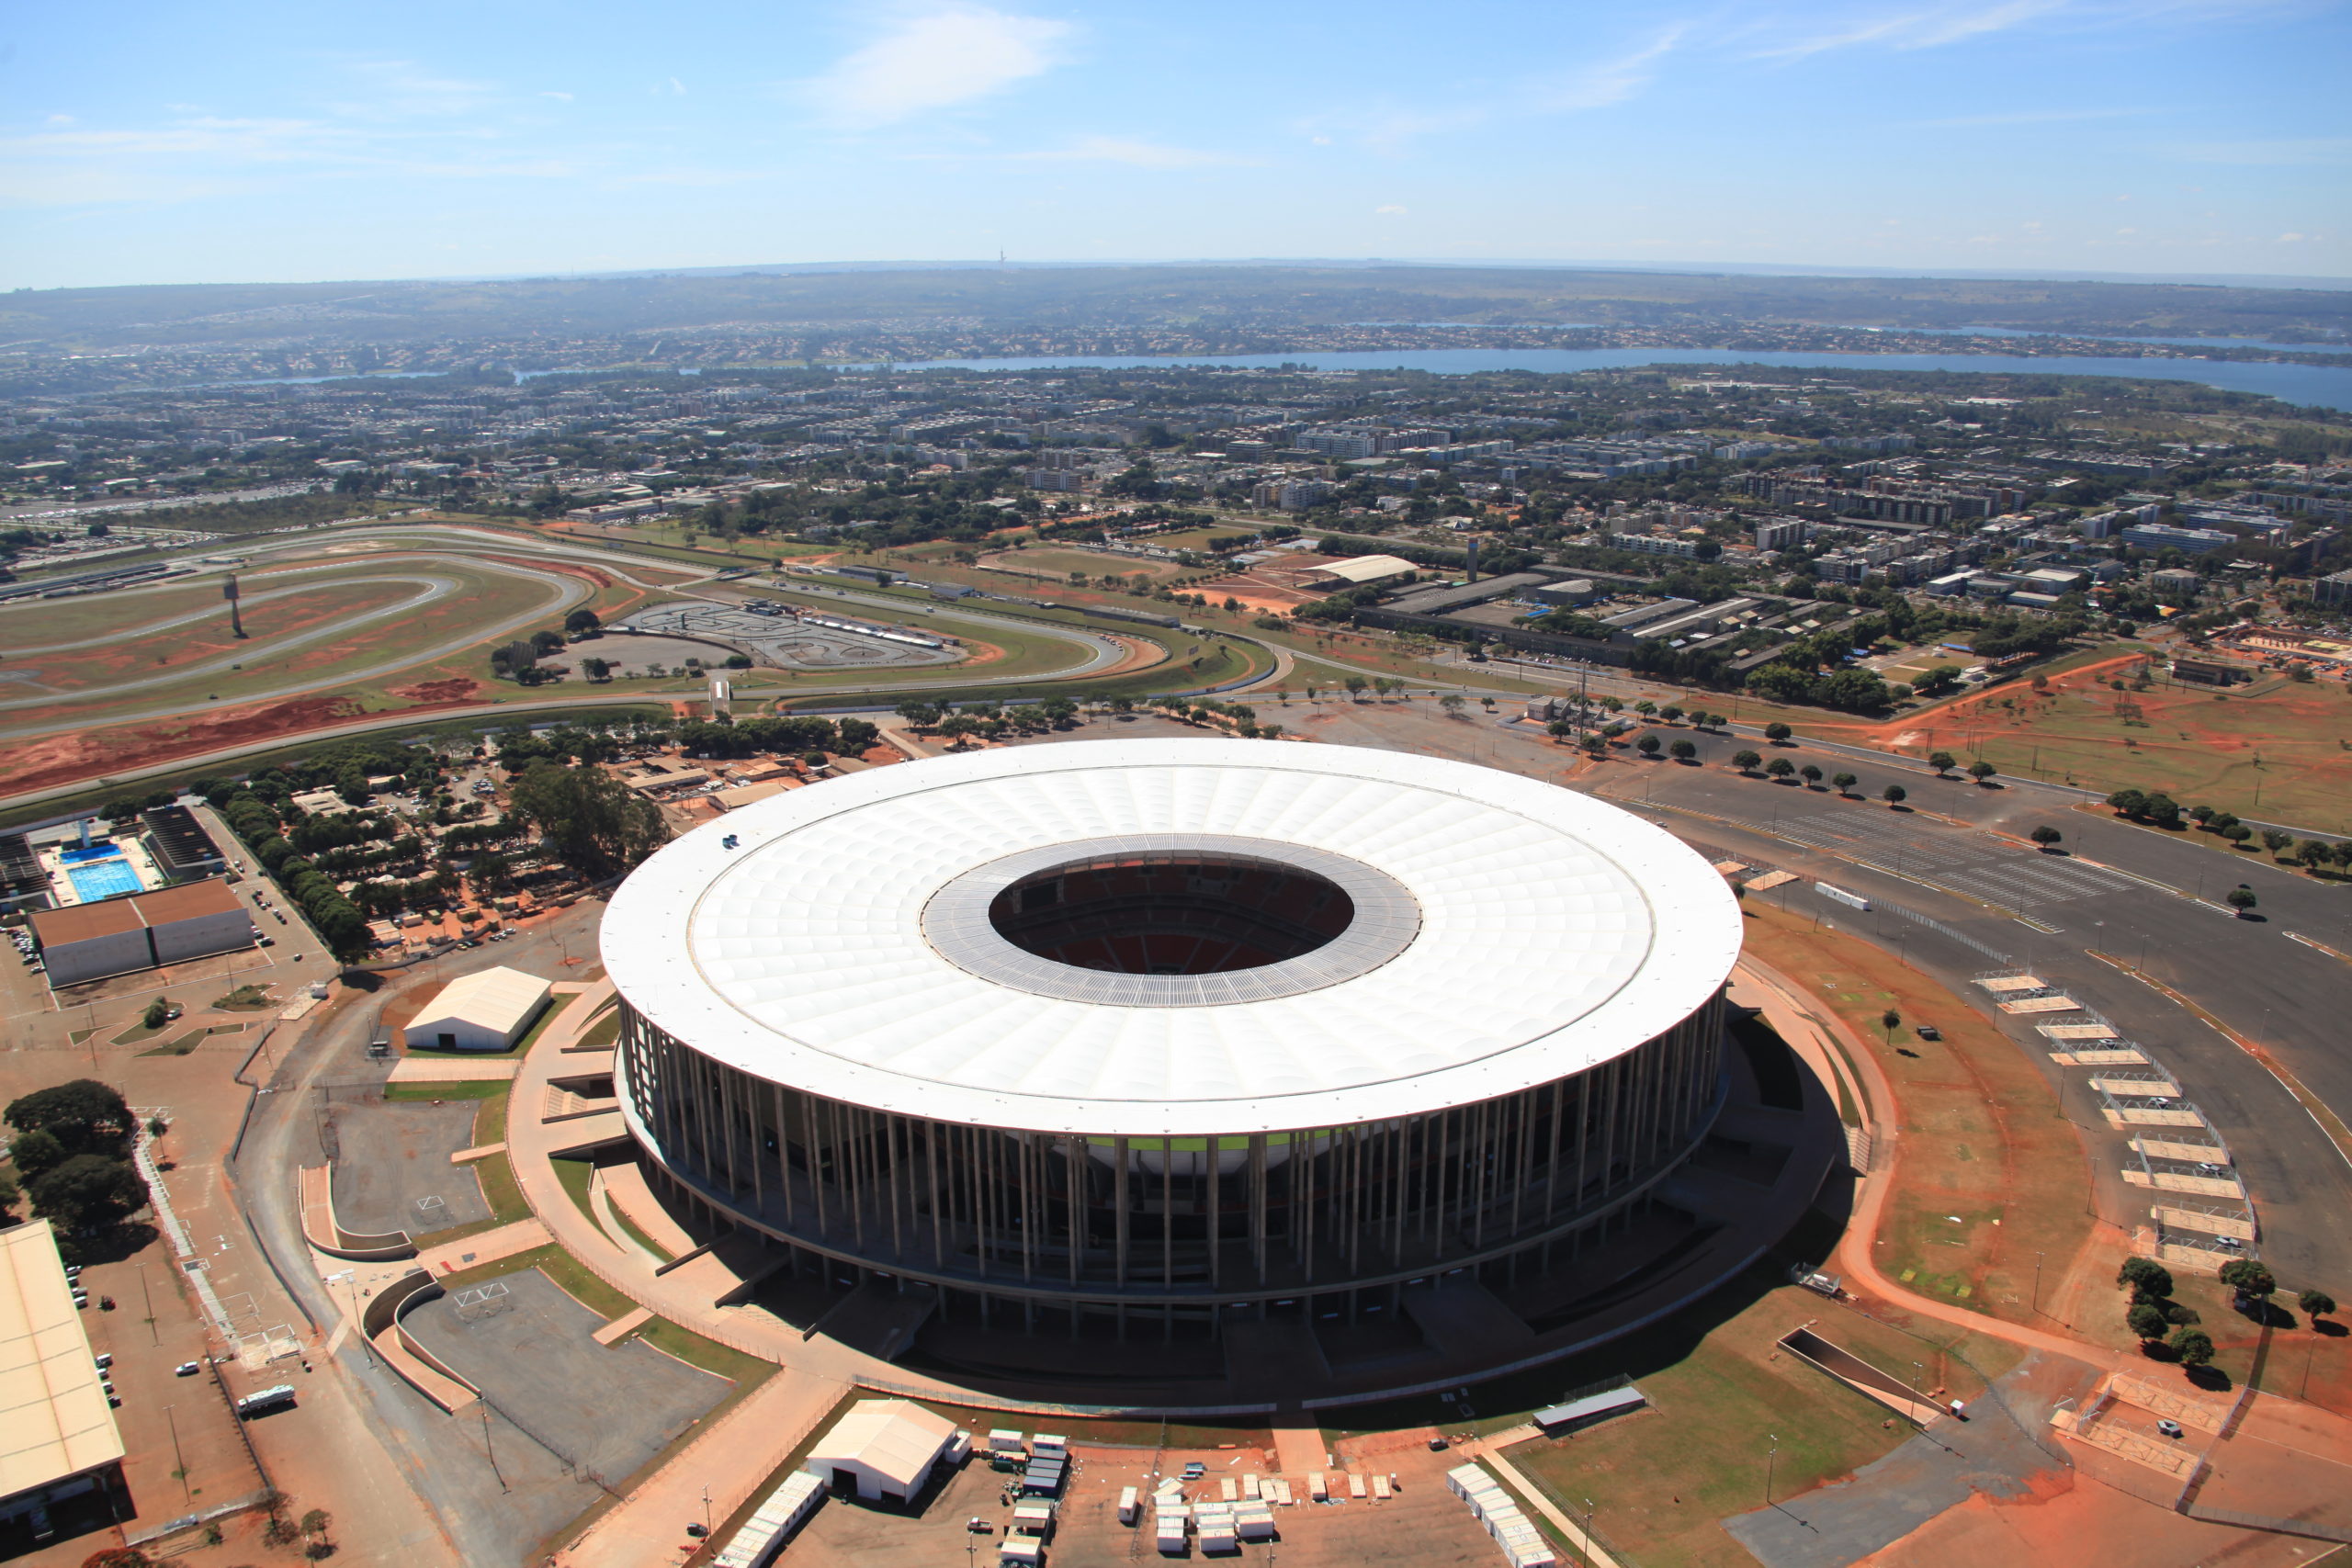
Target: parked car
column 1928, row 1031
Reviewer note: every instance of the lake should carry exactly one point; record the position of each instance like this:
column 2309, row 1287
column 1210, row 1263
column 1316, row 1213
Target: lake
column 2316, row 385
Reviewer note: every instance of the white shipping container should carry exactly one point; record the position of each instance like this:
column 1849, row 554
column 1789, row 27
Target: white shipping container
column 1128, row 1507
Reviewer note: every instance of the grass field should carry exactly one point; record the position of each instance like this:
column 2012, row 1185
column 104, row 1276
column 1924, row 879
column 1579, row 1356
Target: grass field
column 1659, row 1480
column 2277, row 751
column 1991, row 1171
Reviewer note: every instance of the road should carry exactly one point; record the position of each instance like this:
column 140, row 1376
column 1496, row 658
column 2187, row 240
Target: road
column 442, row 1459
column 2132, row 893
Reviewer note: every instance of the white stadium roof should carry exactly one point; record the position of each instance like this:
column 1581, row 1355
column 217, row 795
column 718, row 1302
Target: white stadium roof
column 1555, row 932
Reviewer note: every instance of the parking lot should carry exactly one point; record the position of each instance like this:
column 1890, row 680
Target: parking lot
column 1422, row 1524
column 391, row 1164
column 781, row 639
column 525, row 1343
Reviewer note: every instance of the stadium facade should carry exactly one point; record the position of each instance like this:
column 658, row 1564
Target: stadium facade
column 1159, row 1031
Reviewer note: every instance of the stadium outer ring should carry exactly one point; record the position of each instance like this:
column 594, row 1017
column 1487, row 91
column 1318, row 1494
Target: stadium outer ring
column 1532, row 1057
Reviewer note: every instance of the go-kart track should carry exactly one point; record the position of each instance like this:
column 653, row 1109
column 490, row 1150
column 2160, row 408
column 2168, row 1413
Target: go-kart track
column 815, row 641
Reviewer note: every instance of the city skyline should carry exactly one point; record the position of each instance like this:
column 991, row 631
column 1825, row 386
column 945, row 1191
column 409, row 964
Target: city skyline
column 259, row 143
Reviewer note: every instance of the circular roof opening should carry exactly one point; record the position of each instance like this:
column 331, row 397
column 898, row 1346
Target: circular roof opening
column 1191, row 920
column 1172, row 913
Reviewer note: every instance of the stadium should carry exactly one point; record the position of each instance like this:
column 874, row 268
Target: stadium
column 1158, row 1035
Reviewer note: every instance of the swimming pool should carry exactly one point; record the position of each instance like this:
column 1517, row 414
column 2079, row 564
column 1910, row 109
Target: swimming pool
column 103, row 879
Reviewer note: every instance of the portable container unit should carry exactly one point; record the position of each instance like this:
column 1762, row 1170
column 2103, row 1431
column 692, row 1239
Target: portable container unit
column 1254, row 1522
column 1033, row 1518
column 1168, row 1531
column 1050, row 1443
column 1005, row 1441
column 1228, row 1489
column 1380, row 1489
column 1252, row 1487
column 1355, row 1487
column 1316, row 1489
column 1025, row 1550
column 1129, row 1507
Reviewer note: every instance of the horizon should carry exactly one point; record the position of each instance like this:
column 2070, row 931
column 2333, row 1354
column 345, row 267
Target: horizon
column 2039, row 137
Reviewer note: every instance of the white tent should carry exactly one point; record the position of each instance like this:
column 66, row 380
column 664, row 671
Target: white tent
column 882, row 1450
column 485, row 1011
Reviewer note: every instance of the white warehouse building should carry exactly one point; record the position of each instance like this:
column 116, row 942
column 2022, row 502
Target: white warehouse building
column 486, row 1011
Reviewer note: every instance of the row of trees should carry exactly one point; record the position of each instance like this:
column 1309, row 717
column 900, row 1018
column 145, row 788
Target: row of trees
column 336, row 918
column 2159, row 809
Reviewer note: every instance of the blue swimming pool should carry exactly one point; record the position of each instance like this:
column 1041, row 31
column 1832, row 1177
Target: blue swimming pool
column 83, row 857
column 103, row 880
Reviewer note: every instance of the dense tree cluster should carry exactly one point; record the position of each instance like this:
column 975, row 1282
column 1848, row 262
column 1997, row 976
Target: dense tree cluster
column 72, row 1149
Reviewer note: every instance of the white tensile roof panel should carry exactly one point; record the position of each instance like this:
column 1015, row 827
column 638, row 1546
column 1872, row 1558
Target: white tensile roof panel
column 1556, row 932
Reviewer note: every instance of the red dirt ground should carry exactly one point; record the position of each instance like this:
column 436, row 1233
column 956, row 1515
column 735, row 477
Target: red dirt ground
column 92, row 754
column 450, row 689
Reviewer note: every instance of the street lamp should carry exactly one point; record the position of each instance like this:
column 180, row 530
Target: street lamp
column 1771, row 1456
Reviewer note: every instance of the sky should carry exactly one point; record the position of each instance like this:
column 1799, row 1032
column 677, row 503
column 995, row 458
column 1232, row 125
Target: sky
column 243, row 141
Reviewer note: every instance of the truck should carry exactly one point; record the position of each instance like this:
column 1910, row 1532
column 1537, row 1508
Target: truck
column 267, row 1400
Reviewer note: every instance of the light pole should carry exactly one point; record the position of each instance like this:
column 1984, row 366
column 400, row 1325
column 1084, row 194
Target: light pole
column 1916, row 1370
column 1771, row 1456
column 177, row 1458
column 2037, row 1281
column 154, row 1334
column 1588, row 1530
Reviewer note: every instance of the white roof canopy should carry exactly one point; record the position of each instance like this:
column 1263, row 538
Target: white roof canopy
column 1556, row 933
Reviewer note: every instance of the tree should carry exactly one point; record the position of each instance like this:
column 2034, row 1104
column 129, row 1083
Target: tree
column 2318, row 1303
column 1683, row 750
column 8, row 1195
column 316, row 1523
column 1356, row 685
column 2251, row 1281
column 84, row 1115
column 2274, row 840
column 35, row 1152
column 1648, row 745
column 1893, row 794
column 1980, row 772
column 596, row 669
column 2045, row 835
column 86, row 1191
column 2146, row 1320
column 1889, row 1020
column 1646, row 707
column 1453, row 703
column 1942, row 761
column 1810, row 774
column 1936, row 681
column 2241, row 898
column 1777, row 732
column 2130, row 802
column 580, row 620
column 587, row 818
column 921, row 714
column 1843, row 781
column 1670, row 712
column 2149, row 1279
column 1747, row 761
column 158, row 1013
column 1780, row 767
column 2193, row 1348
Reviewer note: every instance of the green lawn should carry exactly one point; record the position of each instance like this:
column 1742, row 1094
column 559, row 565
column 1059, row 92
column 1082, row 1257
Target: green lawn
column 471, row 1089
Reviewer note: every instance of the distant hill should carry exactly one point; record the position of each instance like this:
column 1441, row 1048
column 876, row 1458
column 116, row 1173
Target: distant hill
column 1188, row 295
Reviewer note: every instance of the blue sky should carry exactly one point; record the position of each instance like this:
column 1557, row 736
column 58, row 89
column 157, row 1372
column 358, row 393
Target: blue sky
column 158, row 143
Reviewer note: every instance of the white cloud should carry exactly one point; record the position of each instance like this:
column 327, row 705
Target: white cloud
column 1391, row 210
column 936, row 59
column 564, row 97
column 1612, row 82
